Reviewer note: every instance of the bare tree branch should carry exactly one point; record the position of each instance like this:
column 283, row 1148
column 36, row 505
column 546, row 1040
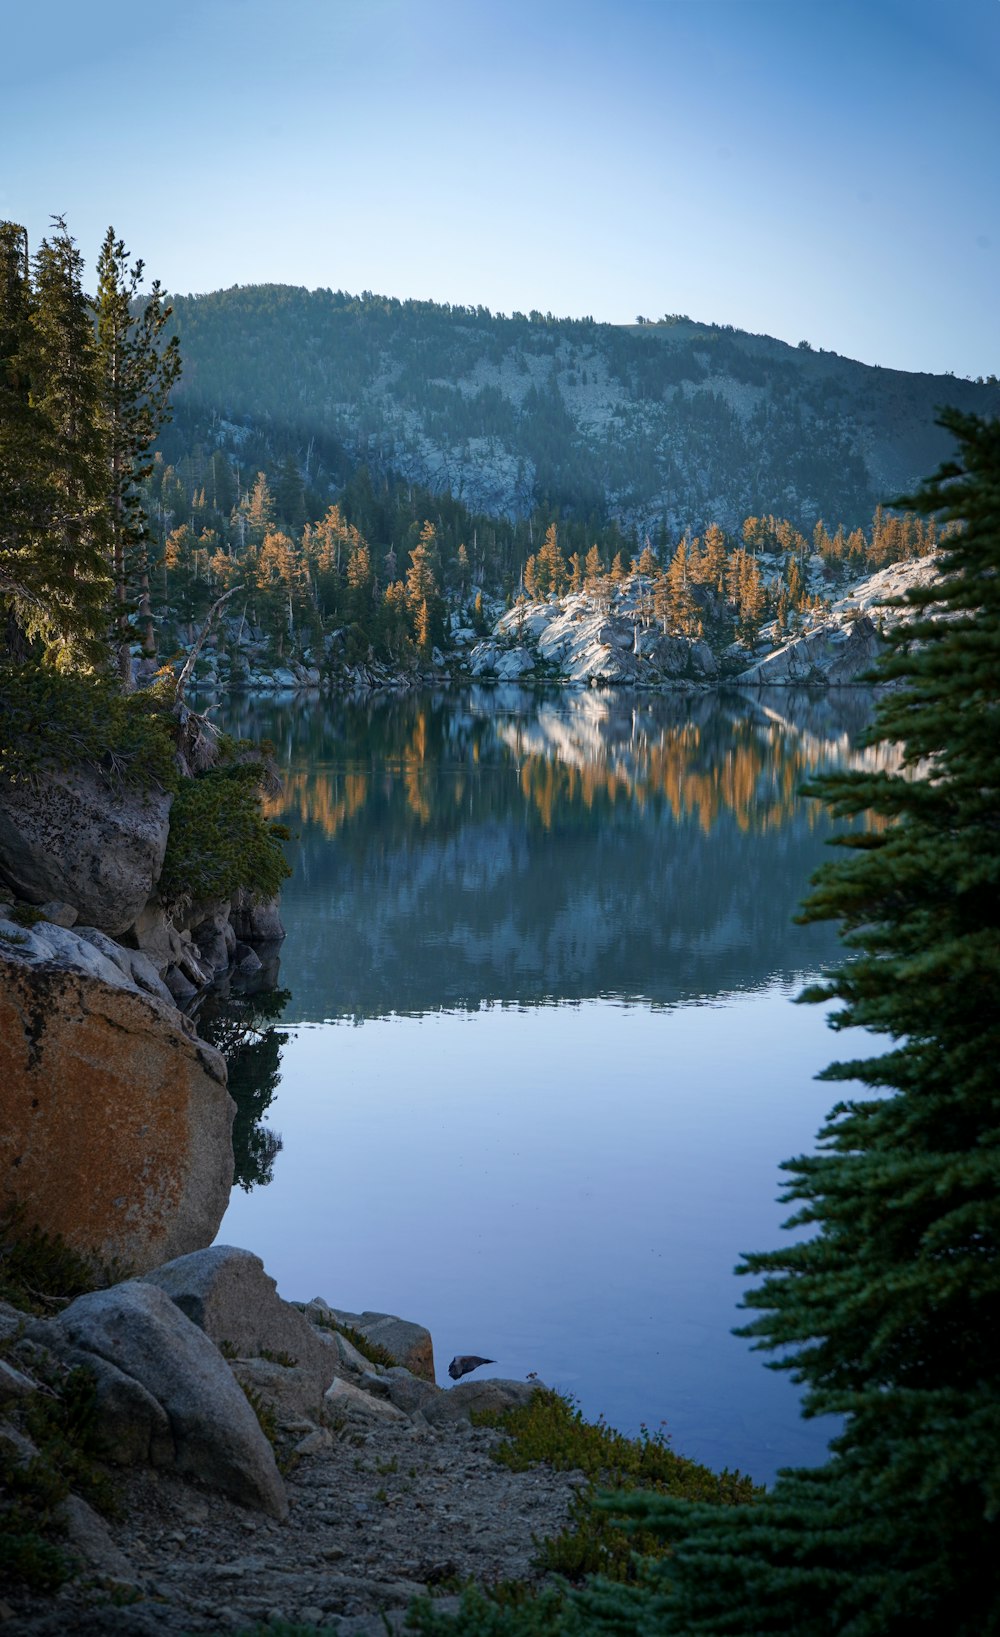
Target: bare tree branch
column 189, row 664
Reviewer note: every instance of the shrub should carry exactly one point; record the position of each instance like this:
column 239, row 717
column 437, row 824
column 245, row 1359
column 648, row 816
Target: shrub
column 56, row 721
column 220, row 841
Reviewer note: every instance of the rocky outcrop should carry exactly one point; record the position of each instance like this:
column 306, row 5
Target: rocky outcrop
column 228, row 1294
column 256, row 921
column 840, row 647
column 610, row 638
column 468, row 1397
column 203, row 1424
column 833, row 654
column 410, row 1344
column 588, row 639
column 213, row 938
column 385, row 1471
column 64, row 837
column 115, row 1120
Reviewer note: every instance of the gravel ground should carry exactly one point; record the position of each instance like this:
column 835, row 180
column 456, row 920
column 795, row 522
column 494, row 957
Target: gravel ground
column 377, row 1517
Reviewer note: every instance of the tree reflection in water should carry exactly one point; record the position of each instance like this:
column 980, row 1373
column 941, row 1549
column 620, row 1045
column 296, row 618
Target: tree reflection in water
column 241, row 1025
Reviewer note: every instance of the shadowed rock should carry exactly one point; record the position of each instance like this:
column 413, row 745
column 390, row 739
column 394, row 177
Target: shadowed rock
column 409, row 1344
column 482, row 1397
column 63, row 838
column 214, row 1435
column 464, row 1362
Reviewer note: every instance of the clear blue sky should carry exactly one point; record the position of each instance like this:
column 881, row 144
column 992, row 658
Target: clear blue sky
column 819, row 169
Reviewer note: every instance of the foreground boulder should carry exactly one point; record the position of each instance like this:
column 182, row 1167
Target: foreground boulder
column 63, row 837
column 206, row 1427
column 227, row 1293
column 115, row 1121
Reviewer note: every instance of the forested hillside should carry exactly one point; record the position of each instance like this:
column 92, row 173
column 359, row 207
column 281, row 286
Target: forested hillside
column 671, row 423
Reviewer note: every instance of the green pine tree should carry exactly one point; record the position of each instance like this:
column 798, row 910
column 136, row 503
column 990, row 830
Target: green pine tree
column 889, row 1312
column 138, row 368
column 25, row 497
column 69, row 550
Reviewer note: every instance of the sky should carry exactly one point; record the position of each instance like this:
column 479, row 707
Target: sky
column 812, row 169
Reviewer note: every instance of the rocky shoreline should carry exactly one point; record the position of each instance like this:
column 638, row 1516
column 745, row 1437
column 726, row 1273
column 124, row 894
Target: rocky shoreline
column 599, row 639
column 373, row 1489
column 240, row 1458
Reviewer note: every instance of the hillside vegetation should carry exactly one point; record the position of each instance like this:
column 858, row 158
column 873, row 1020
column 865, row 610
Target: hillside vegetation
column 674, row 423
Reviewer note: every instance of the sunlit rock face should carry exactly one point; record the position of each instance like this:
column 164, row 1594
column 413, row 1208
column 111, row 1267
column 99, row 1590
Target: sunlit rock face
column 115, row 1120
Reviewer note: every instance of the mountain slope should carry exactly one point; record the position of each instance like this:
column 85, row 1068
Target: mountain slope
column 676, row 422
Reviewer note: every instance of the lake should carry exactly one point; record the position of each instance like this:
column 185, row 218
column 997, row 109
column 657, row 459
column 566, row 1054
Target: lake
column 534, row 1061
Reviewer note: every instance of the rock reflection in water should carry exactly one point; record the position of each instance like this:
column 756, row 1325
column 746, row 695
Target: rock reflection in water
column 583, row 902
column 501, row 846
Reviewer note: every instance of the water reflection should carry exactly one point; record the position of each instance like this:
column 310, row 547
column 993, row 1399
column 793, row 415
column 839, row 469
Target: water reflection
column 241, row 1025
column 567, row 923
column 499, row 847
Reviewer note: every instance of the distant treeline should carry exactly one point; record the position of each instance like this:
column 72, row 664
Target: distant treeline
column 386, row 560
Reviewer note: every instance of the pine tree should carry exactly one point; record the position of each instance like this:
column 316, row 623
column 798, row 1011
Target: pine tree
column 681, row 608
column 138, row 368
column 593, row 568
column 889, row 1312
column 260, row 510
column 422, row 586
column 713, row 558
column 551, row 572
column 24, row 493
column 70, row 550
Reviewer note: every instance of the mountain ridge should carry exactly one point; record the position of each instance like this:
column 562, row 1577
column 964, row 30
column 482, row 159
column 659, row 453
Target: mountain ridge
column 667, row 424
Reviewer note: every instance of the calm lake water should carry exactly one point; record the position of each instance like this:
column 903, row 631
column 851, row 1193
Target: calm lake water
column 535, row 1062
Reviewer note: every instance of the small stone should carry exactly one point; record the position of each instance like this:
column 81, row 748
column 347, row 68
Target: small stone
column 58, row 913
column 314, row 1442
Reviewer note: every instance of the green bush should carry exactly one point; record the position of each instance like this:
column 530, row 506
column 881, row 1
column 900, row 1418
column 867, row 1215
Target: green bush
column 61, row 1421
column 504, row 1612
column 219, row 839
column 57, row 721
column 551, row 1428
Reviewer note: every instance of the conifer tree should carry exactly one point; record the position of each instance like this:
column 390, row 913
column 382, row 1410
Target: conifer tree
column 681, row 608
column 70, row 550
column 138, row 368
column 24, row 494
column 889, row 1312
column 551, row 573
column 593, row 568
column 713, row 558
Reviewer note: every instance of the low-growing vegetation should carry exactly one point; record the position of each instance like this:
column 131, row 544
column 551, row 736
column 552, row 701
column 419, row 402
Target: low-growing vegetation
column 60, row 720
column 60, row 1420
column 219, row 841
column 551, row 1428
column 39, row 1272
